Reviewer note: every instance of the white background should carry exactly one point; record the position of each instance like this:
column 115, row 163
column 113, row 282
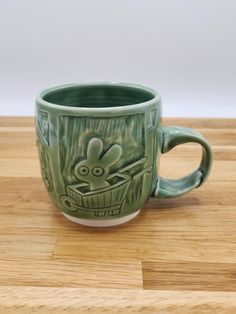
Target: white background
column 185, row 49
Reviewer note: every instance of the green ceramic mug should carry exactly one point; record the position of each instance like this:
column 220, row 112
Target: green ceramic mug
column 99, row 147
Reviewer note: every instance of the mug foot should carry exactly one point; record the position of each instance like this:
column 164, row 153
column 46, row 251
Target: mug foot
column 102, row 223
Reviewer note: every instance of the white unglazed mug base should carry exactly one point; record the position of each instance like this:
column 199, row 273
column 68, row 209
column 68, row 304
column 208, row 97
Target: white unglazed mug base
column 102, row 223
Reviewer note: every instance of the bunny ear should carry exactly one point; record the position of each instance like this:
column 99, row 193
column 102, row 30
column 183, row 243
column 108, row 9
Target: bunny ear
column 94, row 149
column 112, row 155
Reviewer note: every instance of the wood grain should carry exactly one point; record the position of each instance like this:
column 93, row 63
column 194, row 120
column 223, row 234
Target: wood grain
column 178, row 255
column 27, row 246
column 173, row 235
column 49, row 273
column 197, row 276
column 41, row 300
column 196, row 123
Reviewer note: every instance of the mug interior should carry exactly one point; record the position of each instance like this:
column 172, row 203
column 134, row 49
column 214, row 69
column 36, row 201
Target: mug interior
column 97, row 96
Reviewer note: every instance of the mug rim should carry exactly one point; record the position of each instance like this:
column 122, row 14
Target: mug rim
column 156, row 97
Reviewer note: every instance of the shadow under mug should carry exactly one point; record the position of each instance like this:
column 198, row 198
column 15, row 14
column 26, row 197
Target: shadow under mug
column 99, row 147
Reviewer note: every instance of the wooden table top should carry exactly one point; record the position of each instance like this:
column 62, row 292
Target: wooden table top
column 177, row 256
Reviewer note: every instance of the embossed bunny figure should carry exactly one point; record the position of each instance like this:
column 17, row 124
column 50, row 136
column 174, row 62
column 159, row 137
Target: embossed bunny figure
column 95, row 169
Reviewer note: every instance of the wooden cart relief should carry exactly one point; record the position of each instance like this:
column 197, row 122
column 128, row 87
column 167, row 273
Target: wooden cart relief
column 100, row 191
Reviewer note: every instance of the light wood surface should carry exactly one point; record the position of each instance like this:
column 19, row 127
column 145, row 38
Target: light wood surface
column 177, row 256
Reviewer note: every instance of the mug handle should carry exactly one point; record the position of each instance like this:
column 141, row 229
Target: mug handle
column 171, row 137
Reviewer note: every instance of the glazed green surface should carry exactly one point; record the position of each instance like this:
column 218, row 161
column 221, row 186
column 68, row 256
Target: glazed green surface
column 102, row 162
column 173, row 136
column 98, row 96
